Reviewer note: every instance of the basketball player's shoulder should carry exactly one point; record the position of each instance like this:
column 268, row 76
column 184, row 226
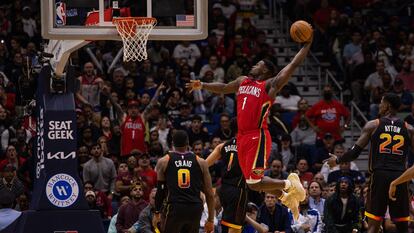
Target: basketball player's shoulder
column 241, row 79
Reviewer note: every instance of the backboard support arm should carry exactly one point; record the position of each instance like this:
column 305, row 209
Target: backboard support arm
column 61, row 50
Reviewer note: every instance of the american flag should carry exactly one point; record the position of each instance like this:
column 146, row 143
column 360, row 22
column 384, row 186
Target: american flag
column 185, row 20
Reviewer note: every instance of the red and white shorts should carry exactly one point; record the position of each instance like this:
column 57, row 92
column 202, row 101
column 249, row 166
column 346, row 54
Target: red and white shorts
column 253, row 150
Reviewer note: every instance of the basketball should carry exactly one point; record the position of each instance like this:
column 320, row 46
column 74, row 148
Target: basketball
column 301, row 31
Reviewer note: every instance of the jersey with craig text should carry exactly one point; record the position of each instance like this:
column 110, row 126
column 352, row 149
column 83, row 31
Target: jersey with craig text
column 253, row 104
column 390, row 145
column 184, row 178
column 232, row 174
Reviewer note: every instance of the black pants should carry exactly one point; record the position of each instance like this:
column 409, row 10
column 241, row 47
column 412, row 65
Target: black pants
column 182, row 218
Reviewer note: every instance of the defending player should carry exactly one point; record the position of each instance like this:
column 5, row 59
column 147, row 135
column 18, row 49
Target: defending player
column 390, row 141
column 255, row 95
column 233, row 190
column 181, row 177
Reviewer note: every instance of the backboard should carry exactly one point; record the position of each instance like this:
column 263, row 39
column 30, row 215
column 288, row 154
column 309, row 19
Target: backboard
column 92, row 19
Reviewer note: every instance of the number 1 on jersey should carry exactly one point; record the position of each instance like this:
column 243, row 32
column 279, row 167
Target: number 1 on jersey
column 244, row 102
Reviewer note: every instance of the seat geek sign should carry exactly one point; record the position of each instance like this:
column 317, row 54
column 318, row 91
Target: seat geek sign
column 59, row 130
column 57, row 184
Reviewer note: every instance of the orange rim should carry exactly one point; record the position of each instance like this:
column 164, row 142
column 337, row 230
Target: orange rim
column 135, row 20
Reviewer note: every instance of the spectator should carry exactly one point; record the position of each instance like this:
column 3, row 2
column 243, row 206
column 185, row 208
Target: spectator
column 9, row 218
column 341, row 209
column 224, row 131
column 315, row 197
column 378, row 92
column 345, row 170
column 287, row 101
column 145, row 218
column 359, row 75
column 100, row 171
column 304, row 138
column 318, row 177
column 309, row 219
column 12, row 158
column 287, row 153
column 374, row 80
column 338, row 151
column 10, row 181
column 276, row 170
column 129, row 213
column 197, row 148
column 102, row 202
column 404, row 94
column 251, row 225
column 184, row 119
column 124, row 180
column 214, row 66
column 322, row 153
column 188, row 51
column 90, row 86
column 326, row 116
column 353, row 52
column 304, row 174
column 227, row 7
column 196, row 131
column 147, row 174
column 112, row 226
column 132, row 127
column 303, row 107
column 90, row 197
column 163, row 128
column 407, row 75
column 29, row 24
column 274, row 215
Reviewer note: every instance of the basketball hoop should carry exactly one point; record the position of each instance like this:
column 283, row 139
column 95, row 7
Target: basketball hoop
column 134, row 32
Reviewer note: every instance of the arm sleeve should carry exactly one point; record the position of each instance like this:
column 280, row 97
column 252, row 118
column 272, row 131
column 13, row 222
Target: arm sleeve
column 351, row 154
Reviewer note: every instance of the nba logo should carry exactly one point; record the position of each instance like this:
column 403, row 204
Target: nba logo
column 60, row 14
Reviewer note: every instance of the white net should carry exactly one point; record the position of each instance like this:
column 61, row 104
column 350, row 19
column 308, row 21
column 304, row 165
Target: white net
column 134, row 32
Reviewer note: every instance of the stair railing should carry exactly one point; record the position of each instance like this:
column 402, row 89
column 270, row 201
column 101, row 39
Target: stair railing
column 355, row 123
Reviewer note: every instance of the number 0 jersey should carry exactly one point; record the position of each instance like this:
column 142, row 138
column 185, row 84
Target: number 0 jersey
column 253, row 104
column 389, row 146
column 184, row 178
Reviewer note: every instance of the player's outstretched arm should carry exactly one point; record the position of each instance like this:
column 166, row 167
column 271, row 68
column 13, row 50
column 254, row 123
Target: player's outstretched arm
column 360, row 144
column 282, row 78
column 215, row 155
column 221, row 88
column 208, row 192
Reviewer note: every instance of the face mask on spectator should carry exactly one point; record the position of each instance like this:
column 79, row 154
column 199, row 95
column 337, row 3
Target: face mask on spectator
column 327, row 95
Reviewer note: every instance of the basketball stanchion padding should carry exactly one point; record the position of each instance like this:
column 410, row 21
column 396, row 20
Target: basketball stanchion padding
column 134, row 32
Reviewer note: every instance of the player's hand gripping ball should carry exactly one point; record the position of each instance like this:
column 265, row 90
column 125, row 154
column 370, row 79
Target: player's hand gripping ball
column 301, row 31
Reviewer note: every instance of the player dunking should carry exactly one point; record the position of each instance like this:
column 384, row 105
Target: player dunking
column 255, row 95
column 233, row 189
column 181, row 177
column 390, row 141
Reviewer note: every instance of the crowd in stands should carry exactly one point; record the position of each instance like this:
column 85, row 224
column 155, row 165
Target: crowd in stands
column 370, row 48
